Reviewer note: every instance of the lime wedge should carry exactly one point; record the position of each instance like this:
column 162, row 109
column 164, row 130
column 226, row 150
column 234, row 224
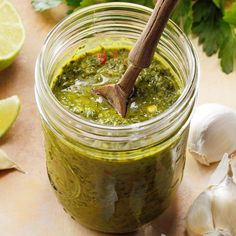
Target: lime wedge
column 9, row 109
column 12, row 34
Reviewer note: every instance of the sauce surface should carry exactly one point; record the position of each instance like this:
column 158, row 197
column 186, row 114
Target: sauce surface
column 156, row 88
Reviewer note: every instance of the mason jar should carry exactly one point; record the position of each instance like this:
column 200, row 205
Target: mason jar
column 108, row 178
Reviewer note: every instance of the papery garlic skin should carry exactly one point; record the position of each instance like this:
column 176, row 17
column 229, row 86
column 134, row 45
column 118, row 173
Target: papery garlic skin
column 212, row 133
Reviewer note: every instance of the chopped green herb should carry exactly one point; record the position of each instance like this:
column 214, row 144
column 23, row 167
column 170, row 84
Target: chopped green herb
column 156, row 88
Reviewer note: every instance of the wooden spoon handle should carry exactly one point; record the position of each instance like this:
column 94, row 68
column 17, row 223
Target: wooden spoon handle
column 142, row 53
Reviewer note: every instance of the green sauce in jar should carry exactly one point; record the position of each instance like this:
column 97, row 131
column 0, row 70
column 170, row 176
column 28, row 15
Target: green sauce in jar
column 114, row 174
column 118, row 194
column 156, row 88
column 114, row 192
column 105, row 190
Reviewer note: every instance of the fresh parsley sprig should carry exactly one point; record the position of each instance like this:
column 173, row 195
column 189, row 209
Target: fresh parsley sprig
column 213, row 21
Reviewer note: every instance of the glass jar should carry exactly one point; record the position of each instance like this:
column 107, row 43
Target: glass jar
column 114, row 179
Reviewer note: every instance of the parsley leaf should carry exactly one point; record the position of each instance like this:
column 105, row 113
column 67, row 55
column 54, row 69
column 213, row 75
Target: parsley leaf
column 215, row 34
column 228, row 8
column 85, row 3
column 217, row 3
column 227, row 52
column 230, row 13
column 183, row 15
column 208, row 25
column 74, row 3
column 42, row 5
column 147, row 3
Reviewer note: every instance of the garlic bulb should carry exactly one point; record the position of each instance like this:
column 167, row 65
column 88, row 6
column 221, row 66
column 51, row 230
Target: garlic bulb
column 213, row 213
column 212, row 133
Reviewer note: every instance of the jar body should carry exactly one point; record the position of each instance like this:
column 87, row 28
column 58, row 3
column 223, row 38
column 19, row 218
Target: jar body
column 115, row 196
column 114, row 179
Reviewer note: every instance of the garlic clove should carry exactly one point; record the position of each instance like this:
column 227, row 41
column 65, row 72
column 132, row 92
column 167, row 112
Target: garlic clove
column 213, row 213
column 199, row 217
column 224, row 205
column 221, row 171
column 212, row 133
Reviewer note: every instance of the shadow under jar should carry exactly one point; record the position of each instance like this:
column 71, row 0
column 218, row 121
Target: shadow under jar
column 108, row 178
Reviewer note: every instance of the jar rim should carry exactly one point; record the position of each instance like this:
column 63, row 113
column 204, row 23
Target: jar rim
column 191, row 81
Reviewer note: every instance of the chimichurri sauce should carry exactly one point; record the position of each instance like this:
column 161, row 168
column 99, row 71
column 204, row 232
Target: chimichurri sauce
column 156, row 88
column 114, row 191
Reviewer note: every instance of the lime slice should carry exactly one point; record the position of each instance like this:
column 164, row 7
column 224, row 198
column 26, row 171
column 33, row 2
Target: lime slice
column 9, row 109
column 12, row 34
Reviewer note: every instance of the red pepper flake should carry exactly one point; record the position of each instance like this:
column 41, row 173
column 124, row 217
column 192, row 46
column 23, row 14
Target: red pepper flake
column 102, row 57
column 116, row 54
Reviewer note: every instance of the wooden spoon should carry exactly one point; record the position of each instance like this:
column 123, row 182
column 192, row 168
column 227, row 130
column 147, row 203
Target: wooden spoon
column 140, row 57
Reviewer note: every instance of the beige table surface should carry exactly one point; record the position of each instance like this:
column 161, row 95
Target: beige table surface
column 28, row 206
